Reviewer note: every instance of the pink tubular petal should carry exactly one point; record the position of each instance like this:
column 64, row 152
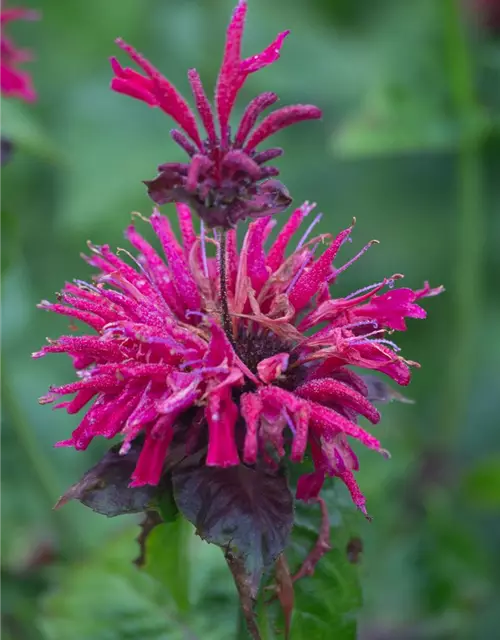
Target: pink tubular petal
column 256, row 258
column 358, row 498
column 226, row 89
column 326, row 390
column 276, row 253
column 271, row 368
column 151, row 460
column 167, row 97
column 105, row 418
column 183, row 279
column 97, row 307
column 125, row 87
column 324, row 420
column 380, row 358
column 391, row 308
column 251, row 409
column 203, row 105
column 104, row 383
column 79, row 401
column 252, row 112
column 158, row 270
column 266, row 57
column 219, row 348
column 221, row 414
column 179, row 400
column 280, row 119
column 309, row 486
column 297, row 408
column 186, row 226
column 310, row 280
column 88, row 318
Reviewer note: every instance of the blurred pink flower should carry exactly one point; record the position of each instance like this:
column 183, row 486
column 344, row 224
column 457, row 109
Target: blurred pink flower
column 256, row 386
column 225, row 180
column 488, row 12
column 15, row 83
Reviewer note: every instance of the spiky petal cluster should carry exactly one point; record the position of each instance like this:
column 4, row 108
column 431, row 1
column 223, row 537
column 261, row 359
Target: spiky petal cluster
column 226, row 178
column 160, row 364
column 15, row 83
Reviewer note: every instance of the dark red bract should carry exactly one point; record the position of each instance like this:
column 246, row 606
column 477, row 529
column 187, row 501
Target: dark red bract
column 226, row 178
column 160, row 363
column 15, row 83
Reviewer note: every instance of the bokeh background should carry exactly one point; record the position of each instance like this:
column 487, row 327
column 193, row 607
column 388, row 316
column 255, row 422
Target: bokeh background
column 410, row 145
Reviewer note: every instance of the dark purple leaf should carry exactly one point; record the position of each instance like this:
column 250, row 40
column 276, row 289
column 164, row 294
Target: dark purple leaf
column 104, row 488
column 247, row 512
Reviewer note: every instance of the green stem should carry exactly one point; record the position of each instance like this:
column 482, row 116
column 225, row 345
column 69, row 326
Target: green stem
column 465, row 287
column 38, row 463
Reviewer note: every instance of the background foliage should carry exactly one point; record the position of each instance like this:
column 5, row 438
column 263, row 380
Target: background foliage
column 410, row 145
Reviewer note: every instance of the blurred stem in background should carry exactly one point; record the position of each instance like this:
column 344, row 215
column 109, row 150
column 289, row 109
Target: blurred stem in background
column 39, row 465
column 465, row 287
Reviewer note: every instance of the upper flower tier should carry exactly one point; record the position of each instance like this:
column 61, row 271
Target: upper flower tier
column 225, row 179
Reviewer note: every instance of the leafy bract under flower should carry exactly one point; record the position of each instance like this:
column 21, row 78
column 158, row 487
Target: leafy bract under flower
column 15, row 83
column 279, row 382
column 226, row 178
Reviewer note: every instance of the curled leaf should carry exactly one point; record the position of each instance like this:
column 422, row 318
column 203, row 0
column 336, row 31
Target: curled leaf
column 104, row 488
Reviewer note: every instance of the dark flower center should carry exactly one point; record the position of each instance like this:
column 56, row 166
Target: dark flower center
column 254, row 347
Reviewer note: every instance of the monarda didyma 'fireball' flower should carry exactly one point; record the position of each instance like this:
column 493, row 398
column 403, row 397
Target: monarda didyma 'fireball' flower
column 15, row 83
column 226, row 178
column 246, row 356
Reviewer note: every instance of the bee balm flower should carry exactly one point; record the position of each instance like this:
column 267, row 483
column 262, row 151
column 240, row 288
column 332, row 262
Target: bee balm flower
column 227, row 178
column 261, row 364
column 15, row 83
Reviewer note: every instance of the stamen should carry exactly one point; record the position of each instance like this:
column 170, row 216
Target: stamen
column 377, row 341
column 302, row 268
column 361, row 323
column 364, row 289
column 308, row 231
column 220, row 369
column 87, row 285
column 289, row 421
column 352, row 260
column 203, row 248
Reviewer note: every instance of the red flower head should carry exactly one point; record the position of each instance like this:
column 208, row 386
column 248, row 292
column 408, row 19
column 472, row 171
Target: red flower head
column 249, row 371
column 225, row 179
column 14, row 82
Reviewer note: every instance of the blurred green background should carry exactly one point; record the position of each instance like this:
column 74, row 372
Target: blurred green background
column 410, row 145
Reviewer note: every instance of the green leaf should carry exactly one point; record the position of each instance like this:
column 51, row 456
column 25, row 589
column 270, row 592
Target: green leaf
column 107, row 598
column 21, row 128
column 327, row 602
column 167, row 559
column 10, row 239
column 482, row 483
column 105, row 487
